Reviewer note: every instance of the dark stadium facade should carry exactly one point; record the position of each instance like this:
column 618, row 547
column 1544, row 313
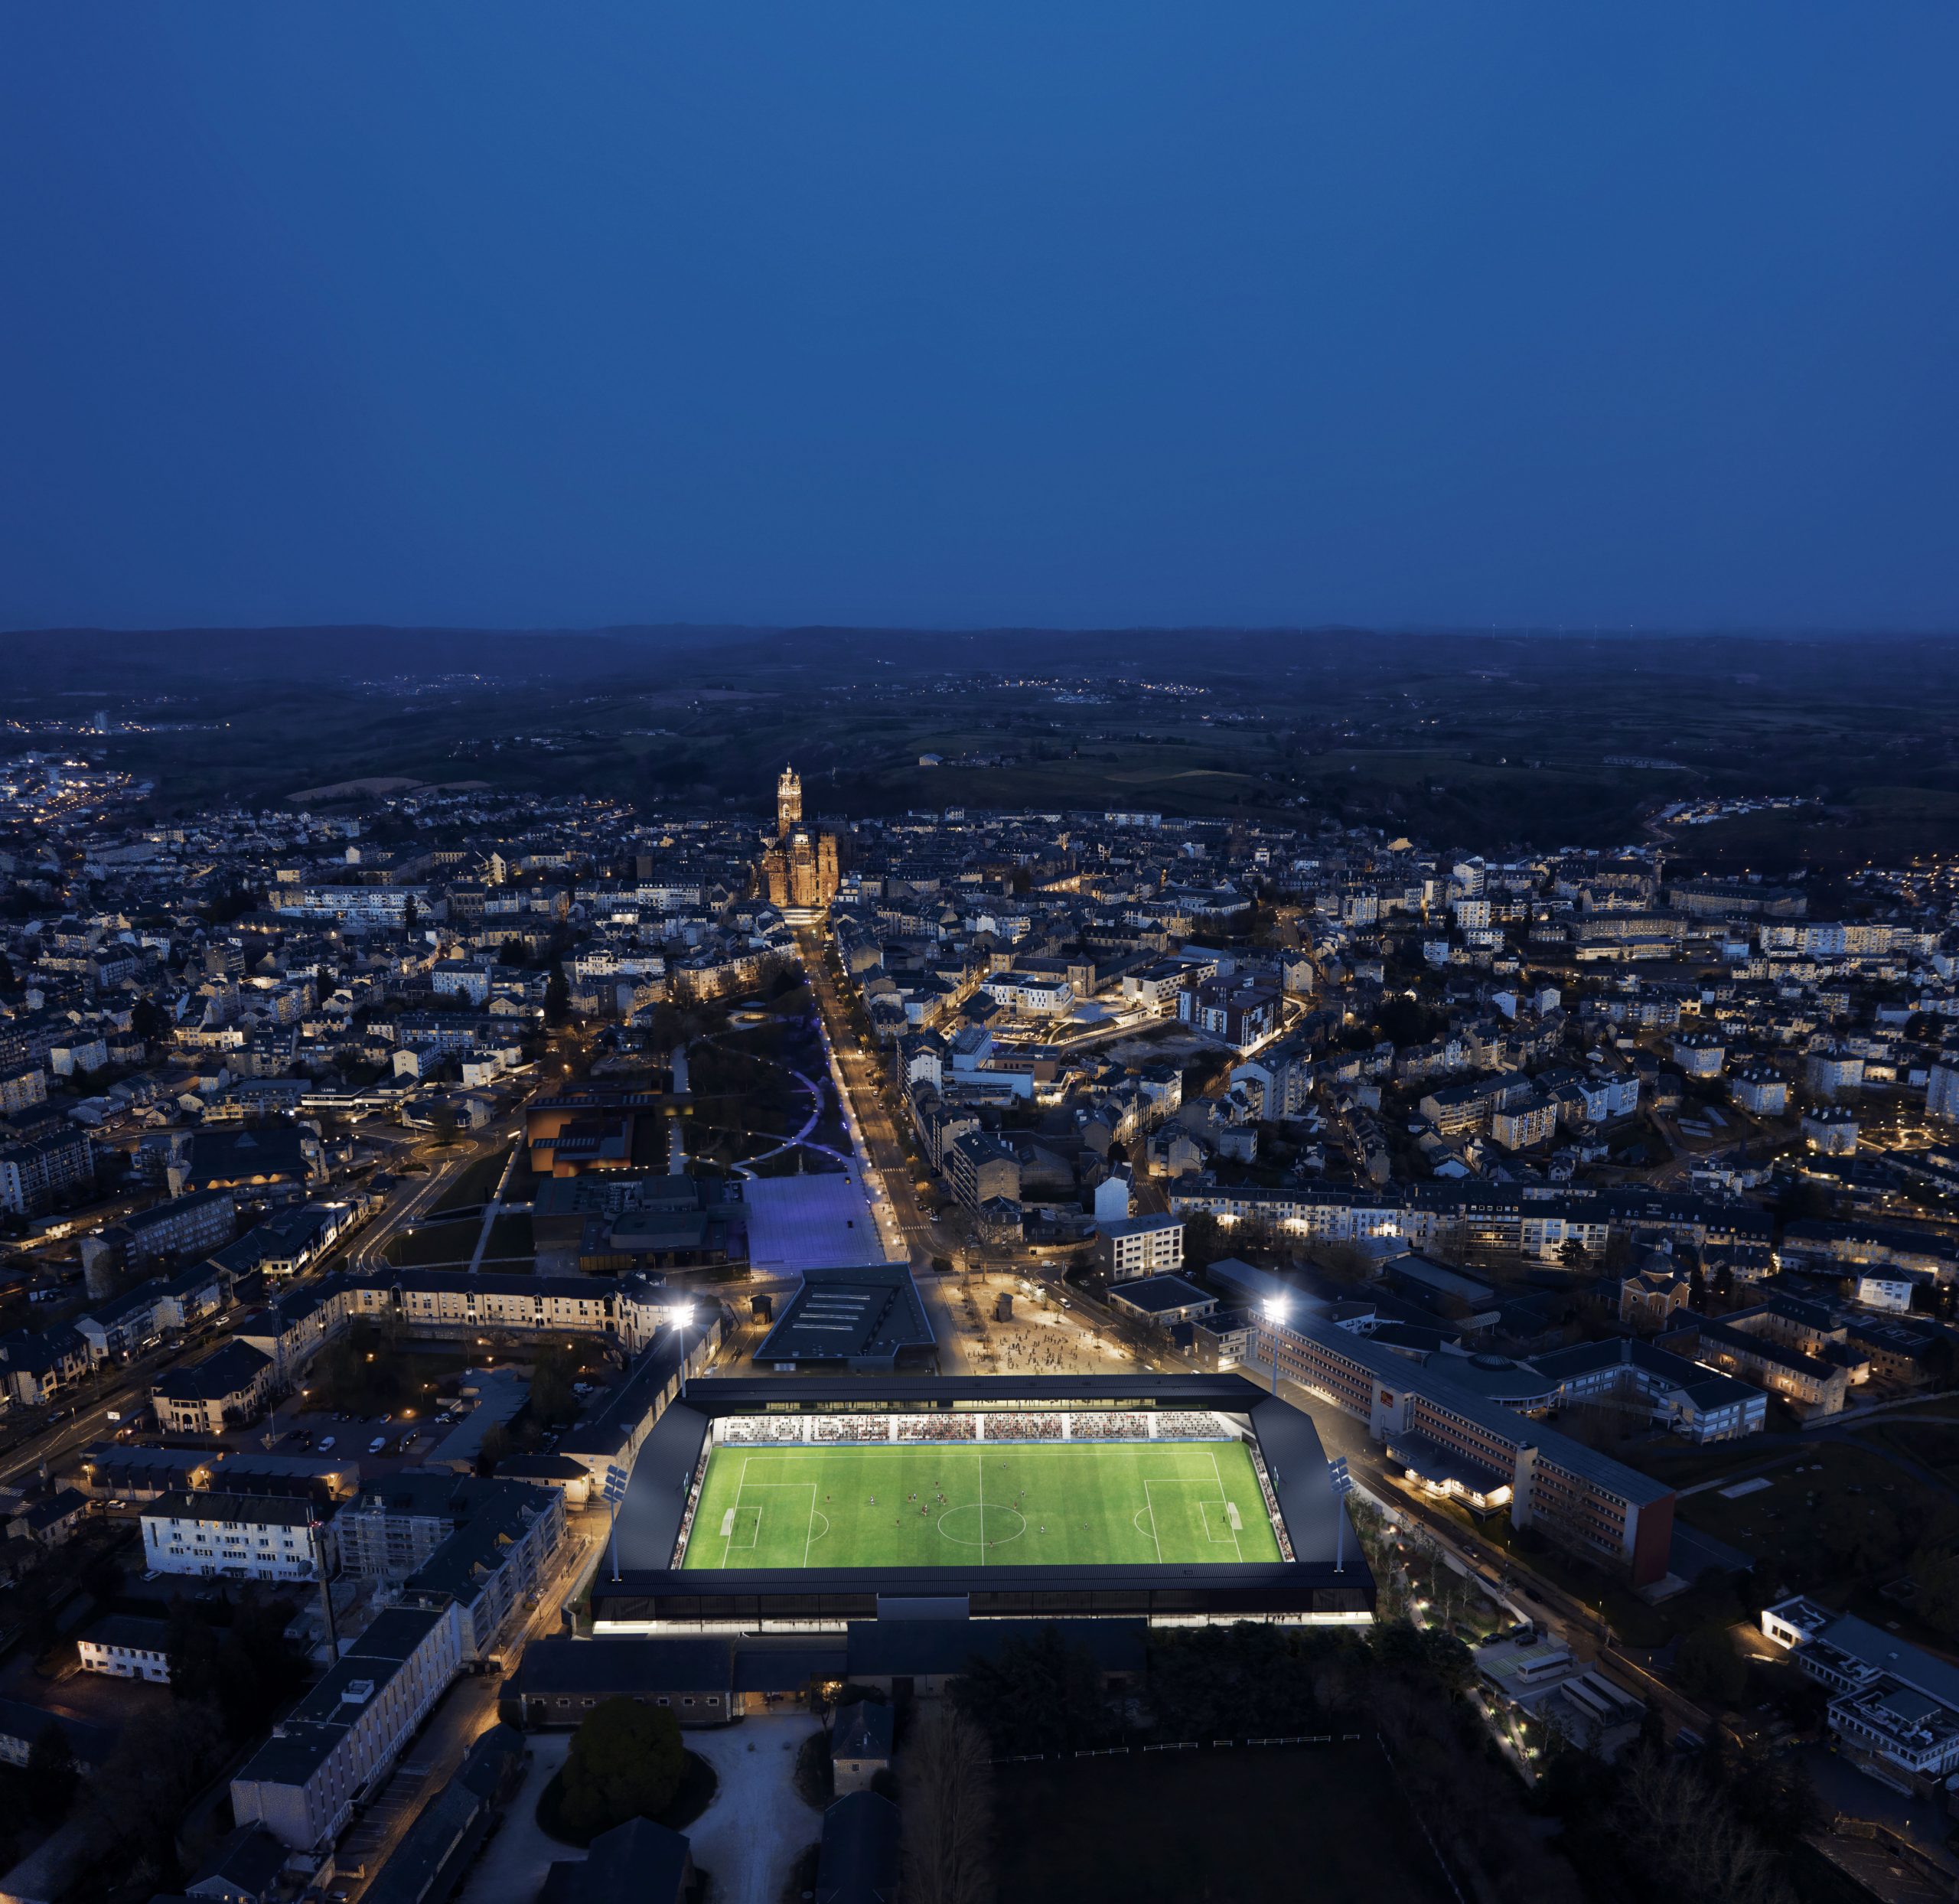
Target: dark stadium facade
column 1325, row 1580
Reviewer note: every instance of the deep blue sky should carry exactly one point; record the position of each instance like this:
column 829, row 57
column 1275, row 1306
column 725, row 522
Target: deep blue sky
column 1396, row 312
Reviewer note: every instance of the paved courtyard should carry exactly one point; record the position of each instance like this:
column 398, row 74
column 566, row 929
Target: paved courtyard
column 513, row 1866
column 752, row 1834
column 748, row 1837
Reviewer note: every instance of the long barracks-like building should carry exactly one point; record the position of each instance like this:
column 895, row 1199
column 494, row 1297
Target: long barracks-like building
column 1438, row 1431
column 1479, row 1219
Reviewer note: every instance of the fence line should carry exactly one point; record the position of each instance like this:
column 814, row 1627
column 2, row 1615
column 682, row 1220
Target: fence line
column 1182, row 1745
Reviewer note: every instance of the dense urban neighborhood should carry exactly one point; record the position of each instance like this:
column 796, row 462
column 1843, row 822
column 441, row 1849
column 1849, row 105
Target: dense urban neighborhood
column 414, row 1199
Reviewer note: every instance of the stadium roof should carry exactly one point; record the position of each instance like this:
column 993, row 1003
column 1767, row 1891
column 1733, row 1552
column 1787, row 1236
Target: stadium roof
column 865, row 1317
column 806, row 1223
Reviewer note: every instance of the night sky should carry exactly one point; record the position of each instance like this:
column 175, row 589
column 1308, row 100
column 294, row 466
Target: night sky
column 1402, row 312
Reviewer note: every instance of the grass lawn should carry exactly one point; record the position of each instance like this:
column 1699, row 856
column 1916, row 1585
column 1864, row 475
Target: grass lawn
column 451, row 1244
column 1274, row 1827
column 939, row 1504
column 475, row 1185
column 1778, row 1521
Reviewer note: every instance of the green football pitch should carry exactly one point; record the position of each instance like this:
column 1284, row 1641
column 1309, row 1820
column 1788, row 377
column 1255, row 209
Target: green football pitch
column 967, row 1504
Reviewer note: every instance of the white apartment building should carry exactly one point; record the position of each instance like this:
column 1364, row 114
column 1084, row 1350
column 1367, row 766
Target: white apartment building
column 1760, row 1091
column 1038, row 994
column 234, row 1536
column 342, row 1739
column 124, row 1647
column 1129, row 1248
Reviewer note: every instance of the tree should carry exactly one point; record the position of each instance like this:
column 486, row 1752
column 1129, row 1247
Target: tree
column 408, row 915
column 1936, row 1575
column 258, row 1667
column 945, row 1794
column 190, row 1647
column 1205, row 1240
column 51, row 1777
column 557, row 998
column 551, row 1377
column 498, row 1444
column 1044, row 1694
column 1688, row 1842
column 160, row 1764
column 626, row 1762
column 1709, row 1669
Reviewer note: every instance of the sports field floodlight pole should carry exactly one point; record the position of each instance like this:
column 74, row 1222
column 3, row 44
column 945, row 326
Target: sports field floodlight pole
column 1275, row 1314
column 615, row 1493
column 1342, row 1485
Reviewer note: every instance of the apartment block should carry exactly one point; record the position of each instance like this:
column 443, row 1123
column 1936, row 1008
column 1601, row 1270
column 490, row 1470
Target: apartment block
column 343, row 1738
column 1449, row 1437
column 1127, row 1248
column 235, row 1536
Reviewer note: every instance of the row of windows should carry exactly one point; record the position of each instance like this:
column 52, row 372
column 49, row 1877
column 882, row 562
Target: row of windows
column 661, row 1699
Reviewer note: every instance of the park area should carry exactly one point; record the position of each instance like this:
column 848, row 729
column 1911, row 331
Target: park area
column 1066, row 1504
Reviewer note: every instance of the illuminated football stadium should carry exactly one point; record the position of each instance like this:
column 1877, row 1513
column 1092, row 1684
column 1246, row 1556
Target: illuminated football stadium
column 813, row 1501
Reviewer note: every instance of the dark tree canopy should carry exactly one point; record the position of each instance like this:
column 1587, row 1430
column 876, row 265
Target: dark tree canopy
column 626, row 1762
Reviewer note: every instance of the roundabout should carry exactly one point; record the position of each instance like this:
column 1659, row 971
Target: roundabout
column 982, row 1524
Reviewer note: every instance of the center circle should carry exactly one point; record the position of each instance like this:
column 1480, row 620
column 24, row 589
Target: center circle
column 982, row 1524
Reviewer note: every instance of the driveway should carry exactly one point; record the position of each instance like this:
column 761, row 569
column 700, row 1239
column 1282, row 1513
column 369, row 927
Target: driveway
column 514, row 1863
column 757, row 1826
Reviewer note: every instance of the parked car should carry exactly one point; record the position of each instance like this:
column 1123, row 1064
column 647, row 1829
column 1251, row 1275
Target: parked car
column 326, row 1442
column 375, row 1446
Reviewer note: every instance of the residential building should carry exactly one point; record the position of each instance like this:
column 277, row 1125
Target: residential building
column 37, row 1173
column 482, row 1545
column 338, row 1744
column 1833, row 1071
column 1761, row 1091
column 235, row 1536
column 979, row 1167
column 223, row 1390
column 124, row 1646
column 1830, row 1130
column 1128, row 1247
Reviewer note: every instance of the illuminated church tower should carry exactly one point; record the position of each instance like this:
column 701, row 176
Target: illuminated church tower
column 799, row 872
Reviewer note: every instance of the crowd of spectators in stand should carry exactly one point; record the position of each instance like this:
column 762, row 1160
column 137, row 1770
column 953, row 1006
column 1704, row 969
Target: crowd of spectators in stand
column 1012, row 1424
column 1023, row 1425
column 748, row 1430
column 832, row 1428
column 1189, row 1424
column 937, row 1427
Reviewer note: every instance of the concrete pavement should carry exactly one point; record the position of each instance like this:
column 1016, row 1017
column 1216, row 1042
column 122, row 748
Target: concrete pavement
column 756, row 1825
column 515, row 1862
